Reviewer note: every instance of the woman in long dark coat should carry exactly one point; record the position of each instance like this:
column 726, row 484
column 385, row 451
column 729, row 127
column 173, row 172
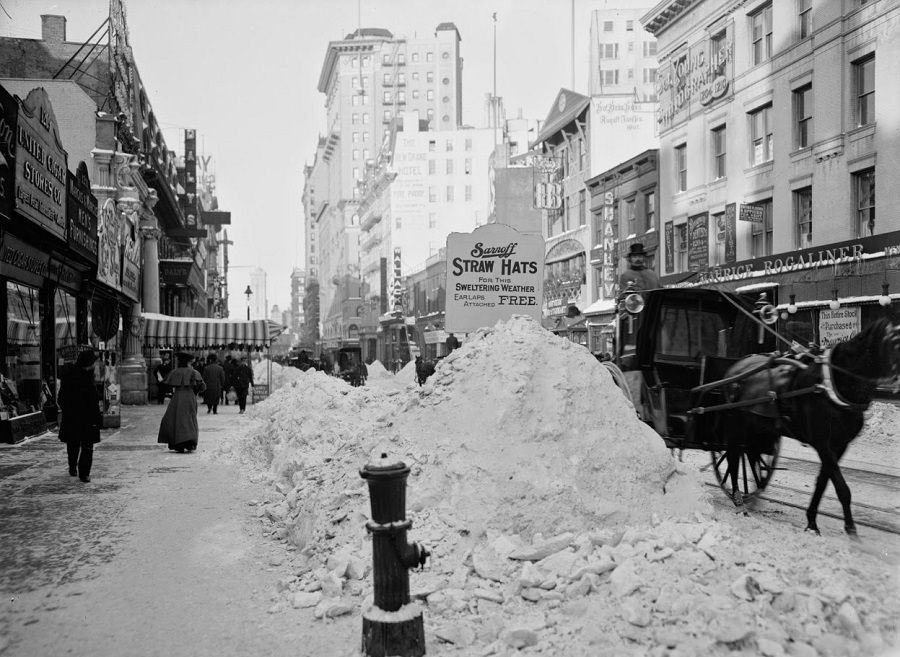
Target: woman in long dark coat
column 179, row 424
column 214, row 378
column 81, row 419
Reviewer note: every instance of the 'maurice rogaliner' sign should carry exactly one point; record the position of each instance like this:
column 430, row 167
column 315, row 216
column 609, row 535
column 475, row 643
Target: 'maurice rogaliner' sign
column 493, row 273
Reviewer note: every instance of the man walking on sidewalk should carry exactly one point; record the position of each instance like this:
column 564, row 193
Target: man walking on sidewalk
column 80, row 406
column 243, row 381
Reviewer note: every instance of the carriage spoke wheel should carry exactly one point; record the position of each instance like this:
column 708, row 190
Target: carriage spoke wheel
column 741, row 474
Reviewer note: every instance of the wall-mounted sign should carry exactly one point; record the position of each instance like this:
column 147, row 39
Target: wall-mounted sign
column 730, row 233
column 109, row 249
column 695, row 77
column 22, row 262
column 174, row 272
column 493, row 272
column 396, row 280
column 189, row 198
column 41, row 165
column 131, row 255
column 608, row 253
column 753, row 213
column 698, row 241
column 9, row 111
column 547, row 180
column 670, row 245
column 838, row 325
column 81, row 209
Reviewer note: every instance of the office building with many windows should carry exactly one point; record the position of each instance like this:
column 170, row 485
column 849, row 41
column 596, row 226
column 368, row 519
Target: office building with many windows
column 779, row 144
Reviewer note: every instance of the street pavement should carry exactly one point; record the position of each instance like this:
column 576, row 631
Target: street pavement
column 160, row 554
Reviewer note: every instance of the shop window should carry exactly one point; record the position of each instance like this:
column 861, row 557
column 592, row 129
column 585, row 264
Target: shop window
column 22, row 388
column 803, row 217
column 864, row 193
column 761, row 232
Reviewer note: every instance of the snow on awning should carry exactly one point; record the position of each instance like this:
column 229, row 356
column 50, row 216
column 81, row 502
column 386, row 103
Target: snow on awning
column 206, row 333
column 600, row 306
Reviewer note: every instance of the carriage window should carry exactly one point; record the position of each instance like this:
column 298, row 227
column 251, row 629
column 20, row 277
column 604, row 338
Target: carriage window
column 690, row 333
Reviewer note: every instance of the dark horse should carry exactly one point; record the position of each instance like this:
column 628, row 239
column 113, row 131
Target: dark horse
column 424, row 369
column 819, row 402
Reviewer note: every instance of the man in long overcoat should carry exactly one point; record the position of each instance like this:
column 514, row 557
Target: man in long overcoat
column 242, row 381
column 81, row 419
column 214, row 378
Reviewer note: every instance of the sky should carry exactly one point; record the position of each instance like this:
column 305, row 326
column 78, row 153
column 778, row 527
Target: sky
column 245, row 74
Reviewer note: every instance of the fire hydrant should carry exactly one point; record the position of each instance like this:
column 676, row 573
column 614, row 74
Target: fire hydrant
column 388, row 628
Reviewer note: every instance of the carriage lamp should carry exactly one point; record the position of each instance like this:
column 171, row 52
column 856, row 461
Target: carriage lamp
column 792, row 306
column 885, row 298
column 634, row 303
column 834, row 304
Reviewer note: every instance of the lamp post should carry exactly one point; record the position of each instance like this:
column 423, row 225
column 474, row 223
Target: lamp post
column 248, row 292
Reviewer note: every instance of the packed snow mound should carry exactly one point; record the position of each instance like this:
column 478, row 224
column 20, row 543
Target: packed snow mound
column 527, row 432
column 377, row 371
column 281, row 376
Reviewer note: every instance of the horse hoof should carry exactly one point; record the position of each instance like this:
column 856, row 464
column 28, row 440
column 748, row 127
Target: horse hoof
column 737, row 498
column 813, row 529
column 851, row 531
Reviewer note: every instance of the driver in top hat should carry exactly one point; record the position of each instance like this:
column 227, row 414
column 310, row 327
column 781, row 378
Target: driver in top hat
column 637, row 275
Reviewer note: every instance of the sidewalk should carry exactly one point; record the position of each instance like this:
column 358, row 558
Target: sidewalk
column 160, row 554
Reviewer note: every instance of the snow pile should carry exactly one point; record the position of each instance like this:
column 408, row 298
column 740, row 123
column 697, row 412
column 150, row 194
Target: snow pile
column 281, row 376
column 877, row 442
column 377, row 371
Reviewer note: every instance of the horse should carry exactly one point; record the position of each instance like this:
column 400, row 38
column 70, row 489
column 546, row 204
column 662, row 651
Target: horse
column 424, row 369
column 818, row 401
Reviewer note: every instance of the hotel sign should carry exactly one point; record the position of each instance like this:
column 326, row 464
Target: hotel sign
column 41, row 165
column 695, row 77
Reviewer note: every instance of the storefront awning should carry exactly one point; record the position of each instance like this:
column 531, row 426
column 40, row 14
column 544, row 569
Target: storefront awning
column 205, row 333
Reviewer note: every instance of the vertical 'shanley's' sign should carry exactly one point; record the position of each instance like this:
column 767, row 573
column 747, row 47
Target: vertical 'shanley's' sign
column 493, row 273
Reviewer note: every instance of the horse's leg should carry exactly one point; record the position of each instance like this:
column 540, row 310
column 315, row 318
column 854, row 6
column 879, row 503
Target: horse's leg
column 843, row 492
column 821, row 482
column 733, row 456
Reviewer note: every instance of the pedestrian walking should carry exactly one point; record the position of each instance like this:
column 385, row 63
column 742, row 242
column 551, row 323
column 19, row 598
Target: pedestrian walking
column 228, row 366
column 178, row 427
column 214, row 378
column 243, row 381
column 452, row 342
column 161, row 371
column 81, row 420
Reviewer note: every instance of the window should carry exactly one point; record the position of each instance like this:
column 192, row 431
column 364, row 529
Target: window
column 401, row 58
column 649, row 75
column 802, row 116
column 864, row 189
column 398, row 223
column 718, row 222
column 386, row 59
column 365, row 136
column 449, row 145
column 649, row 48
column 468, row 165
column 432, row 220
column 355, row 119
column 681, row 168
column 631, row 46
column 355, row 99
column 582, row 208
column 803, row 217
column 432, row 195
column 429, row 77
column 364, row 100
column 431, row 167
column 429, row 114
column 355, row 154
column 761, row 34
column 449, row 167
column 607, row 26
column 415, row 94
column 610, row 77
column 609, row 51
column 387, row 97
column 681, row 244
column 366, row 153
column 468, row 143
column 415, row 57
column 355, row 137
column 582, row 155
column 355, row 173
column 429, row 57
column 365, row 60
column 401, row 78
column 804, row 8
column 449, row 193
column 387, row 78
column 718, row 144
column 761, row 233
column 630, row 216
column 631, row 74
column 415, row 76
column 760, row 136
column 401, row 97
column 365, row 117
column 650, row 209
column 629, row 26
column 387, row 115
column 864, row 79
column 429, row 95
column 468, row 192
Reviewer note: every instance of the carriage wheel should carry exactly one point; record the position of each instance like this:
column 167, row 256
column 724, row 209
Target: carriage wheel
column 753, row 470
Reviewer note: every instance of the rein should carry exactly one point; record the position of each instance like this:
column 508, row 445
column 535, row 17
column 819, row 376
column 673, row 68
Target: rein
column 828, row 385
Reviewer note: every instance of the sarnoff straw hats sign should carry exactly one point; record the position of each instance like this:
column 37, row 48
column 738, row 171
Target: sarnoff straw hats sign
column 493, row 273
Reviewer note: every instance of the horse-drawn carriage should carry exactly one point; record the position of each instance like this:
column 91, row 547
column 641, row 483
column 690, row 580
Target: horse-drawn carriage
column 701, row 368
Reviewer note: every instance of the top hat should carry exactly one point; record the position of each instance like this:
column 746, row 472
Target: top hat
column 183, row 358
column 636, row 249
column 85, row 358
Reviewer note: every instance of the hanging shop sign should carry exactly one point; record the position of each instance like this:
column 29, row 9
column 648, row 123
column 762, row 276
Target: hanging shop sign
column 41, row 165
column 730, row 233
column 838, row 325
column 547, row 181
column 109, row 250
column 608, row 254
column 9, row 111
column 189, row 198
column 81, row 210
column 396, row 281
column 698, row 241
column 174, row 272
column 696, row 77
column 493, row 273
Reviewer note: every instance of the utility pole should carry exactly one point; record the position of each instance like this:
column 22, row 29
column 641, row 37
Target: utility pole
column 494, row 109
column 573, row 45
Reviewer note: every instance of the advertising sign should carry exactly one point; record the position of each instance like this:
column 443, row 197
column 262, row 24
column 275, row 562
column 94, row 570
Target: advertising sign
column 608, row 268
column 698, row 242
column 41, row 165
column 396, row 281
column 109, row 251
column 493, row 273
column 131, row 256
column 695, row 77
column 838, row 325
column 189, row 198
column 547, row 179
column 81, row 210
column 9, row 111
column 670, row 246
column 753, row 213
column 730, row 233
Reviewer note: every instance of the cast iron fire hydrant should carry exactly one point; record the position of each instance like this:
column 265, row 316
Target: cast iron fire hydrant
column 399, row 631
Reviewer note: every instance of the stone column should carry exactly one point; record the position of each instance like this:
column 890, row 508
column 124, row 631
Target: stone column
column 133, row 370
column 150, row 291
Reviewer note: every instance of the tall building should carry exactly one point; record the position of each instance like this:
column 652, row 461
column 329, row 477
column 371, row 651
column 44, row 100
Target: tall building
column 298, row 293
column 258, row 303
column 778, row 143
column 368, row 78
column 622, row 54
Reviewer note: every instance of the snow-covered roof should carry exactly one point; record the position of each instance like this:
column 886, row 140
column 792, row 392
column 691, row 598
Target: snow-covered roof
column 600, row 306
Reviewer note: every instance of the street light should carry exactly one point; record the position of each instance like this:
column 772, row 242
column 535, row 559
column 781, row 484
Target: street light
column 248, row 292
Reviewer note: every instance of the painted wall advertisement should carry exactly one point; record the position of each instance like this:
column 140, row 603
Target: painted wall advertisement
column 695, row 77
column 109, row 254
column 698, row 242
column 838, row 325
column 41, row 165
column 547, row 182
column 620, row 127
column 493, row 273
column 730, row 233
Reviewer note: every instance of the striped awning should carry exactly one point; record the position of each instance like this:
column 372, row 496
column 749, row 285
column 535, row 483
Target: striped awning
column 205, row 333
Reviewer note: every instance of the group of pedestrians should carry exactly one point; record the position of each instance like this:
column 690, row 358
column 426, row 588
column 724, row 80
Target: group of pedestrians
column 81, row 420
